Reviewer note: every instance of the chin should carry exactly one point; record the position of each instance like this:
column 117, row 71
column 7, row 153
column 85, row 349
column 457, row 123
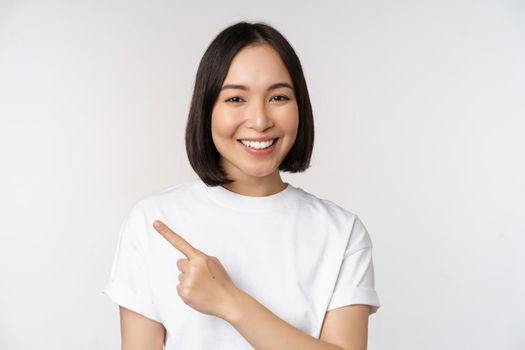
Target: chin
column 261, row 173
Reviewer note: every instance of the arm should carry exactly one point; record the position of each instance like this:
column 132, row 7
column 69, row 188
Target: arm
column 347, row 326
column 139, row 332
column 266, row 331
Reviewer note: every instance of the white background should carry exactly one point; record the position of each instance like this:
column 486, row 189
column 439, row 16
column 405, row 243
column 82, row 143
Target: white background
column 419, row 112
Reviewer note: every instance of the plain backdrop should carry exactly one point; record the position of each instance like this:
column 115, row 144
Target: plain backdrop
column 419, row 113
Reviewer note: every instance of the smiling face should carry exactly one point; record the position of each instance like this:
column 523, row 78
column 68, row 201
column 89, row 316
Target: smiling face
column 257, row 101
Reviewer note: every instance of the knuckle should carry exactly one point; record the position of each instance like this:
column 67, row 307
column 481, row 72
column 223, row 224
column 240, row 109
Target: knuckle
column 201, row 260
column 183, row 291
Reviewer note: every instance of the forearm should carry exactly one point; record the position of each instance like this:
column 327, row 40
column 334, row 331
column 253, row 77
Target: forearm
column 266, row 331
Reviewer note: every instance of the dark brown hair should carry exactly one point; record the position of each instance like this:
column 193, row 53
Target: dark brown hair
column 213, row 68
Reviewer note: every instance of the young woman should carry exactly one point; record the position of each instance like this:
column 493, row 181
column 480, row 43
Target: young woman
column 236, row 258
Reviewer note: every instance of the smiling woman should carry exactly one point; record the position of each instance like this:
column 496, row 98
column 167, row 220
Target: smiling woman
column 237, row 258
column 265, row 110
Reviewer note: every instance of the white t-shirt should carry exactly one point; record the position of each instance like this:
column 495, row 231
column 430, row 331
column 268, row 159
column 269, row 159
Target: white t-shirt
column 295, row 253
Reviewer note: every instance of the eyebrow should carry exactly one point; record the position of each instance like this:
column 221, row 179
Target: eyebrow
column 271, row 87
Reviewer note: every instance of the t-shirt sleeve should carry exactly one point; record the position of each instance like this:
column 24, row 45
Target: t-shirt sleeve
column 355, row 283
column 129, row 284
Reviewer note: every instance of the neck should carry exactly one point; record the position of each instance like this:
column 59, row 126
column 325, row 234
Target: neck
column 257, row 186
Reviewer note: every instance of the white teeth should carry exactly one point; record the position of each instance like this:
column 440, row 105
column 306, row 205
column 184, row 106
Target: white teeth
column 257, row 145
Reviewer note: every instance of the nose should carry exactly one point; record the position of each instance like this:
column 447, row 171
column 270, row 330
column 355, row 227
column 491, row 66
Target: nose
column 259, row 117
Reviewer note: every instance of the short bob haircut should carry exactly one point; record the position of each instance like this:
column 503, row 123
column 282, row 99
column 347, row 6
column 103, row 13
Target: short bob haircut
column 213, row 68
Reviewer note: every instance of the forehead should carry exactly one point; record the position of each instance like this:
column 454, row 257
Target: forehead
column 257, row 64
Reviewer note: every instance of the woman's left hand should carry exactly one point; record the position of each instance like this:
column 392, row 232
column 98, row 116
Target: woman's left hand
column 204, row 283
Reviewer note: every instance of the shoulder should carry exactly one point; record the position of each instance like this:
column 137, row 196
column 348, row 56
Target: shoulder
column 328, row 208
column 137, row 222
column 345, row 220
column 153, row 204
column 165, row 196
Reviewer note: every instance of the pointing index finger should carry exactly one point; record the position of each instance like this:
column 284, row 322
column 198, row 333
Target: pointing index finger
column 177, row 241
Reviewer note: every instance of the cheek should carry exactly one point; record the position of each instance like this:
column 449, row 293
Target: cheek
column 288, row 119
column 223, row 124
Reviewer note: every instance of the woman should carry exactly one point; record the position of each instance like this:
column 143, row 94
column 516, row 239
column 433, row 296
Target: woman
column 237, row 258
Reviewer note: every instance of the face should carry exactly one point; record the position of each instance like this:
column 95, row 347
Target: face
column 255, row 103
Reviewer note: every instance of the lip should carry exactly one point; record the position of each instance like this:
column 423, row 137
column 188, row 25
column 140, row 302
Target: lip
column 258, row 138
column 257, row 152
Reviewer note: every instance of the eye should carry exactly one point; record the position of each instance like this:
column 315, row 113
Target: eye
column 231, row 99
column 282, row 98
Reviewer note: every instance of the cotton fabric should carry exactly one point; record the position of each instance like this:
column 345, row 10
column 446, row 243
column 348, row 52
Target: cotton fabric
column 297, row 254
